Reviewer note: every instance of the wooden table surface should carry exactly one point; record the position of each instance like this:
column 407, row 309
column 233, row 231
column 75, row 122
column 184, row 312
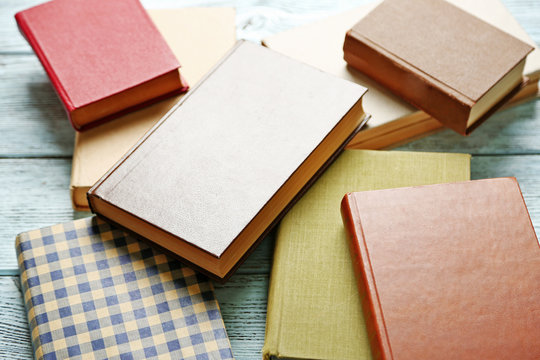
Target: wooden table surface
column 36, row 145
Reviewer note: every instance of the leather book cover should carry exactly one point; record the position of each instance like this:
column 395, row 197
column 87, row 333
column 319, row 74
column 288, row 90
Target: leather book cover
column 93, row 291
column 441, row 59
column 209, row 30
column 313, row 307
column 95, row 51
column 447, row 269
column 216, row 172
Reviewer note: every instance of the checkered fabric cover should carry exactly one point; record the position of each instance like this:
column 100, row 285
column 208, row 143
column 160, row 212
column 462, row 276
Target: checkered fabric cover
column 93, row 291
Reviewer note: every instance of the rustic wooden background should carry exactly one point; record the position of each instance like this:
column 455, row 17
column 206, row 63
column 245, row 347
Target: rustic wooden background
column 36, row 144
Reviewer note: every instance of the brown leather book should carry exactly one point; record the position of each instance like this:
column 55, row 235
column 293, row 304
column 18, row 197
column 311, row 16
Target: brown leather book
column 223, row 166
column 447, row 271
column 443, row 60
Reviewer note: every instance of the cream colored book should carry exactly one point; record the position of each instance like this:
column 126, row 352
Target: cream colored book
column 393, row 121
column 314, row 311
column 199, row 37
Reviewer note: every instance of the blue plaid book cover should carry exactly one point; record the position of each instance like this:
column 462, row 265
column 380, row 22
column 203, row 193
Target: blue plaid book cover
column 93, row 291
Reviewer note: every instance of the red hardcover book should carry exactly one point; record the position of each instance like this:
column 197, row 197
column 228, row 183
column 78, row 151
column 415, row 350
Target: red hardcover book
column 104, row 58
column 448, row 271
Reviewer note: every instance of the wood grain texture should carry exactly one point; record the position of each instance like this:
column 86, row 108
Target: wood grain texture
column 14, row 333
column 513, row 131
column 526, row 169
column 34, row 194
column 243, row 305
column 34, row 123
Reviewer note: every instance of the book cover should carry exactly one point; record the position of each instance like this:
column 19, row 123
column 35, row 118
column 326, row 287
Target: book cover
column 447, row 269
column 393, row 120
column 443, row 60
column 90, row 289
column 225, row 164
column 314, row 311
column 209, row 30
column 103, row 57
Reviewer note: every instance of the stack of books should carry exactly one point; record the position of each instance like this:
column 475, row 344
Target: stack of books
column 191, row 147
column 393, row 120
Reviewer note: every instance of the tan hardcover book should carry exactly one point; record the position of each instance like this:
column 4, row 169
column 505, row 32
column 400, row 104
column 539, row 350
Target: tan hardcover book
column 443, row 60
column 393, row 121
column 197, row 36
column 214, row 175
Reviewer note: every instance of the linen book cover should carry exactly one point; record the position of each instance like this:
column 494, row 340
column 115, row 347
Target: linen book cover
column 393, row 120
column 213, row 176
column 314, row 311
column 211, row 31
column 103, row 57
column 443, row 60
column 91, row 290
column 447, row 270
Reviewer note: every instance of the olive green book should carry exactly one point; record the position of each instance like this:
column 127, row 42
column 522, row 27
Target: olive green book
column 314, row 311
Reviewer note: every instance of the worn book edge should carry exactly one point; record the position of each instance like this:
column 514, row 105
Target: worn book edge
column 373, row 315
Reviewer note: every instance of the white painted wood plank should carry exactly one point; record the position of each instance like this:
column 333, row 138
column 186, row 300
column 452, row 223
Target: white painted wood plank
column 14, row 333
column 33, row 121
column 255, row 19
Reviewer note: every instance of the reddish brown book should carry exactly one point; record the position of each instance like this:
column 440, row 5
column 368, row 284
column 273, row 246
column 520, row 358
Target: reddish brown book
column 443, row 60
column 104, row 58
column 447, row 271
column 220, row 169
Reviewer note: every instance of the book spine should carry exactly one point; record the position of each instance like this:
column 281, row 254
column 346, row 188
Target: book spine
column 273, row 314
column 276, row 296
column 27, row 298
column 378, row 336
column 28, row 34
column 419, row 89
